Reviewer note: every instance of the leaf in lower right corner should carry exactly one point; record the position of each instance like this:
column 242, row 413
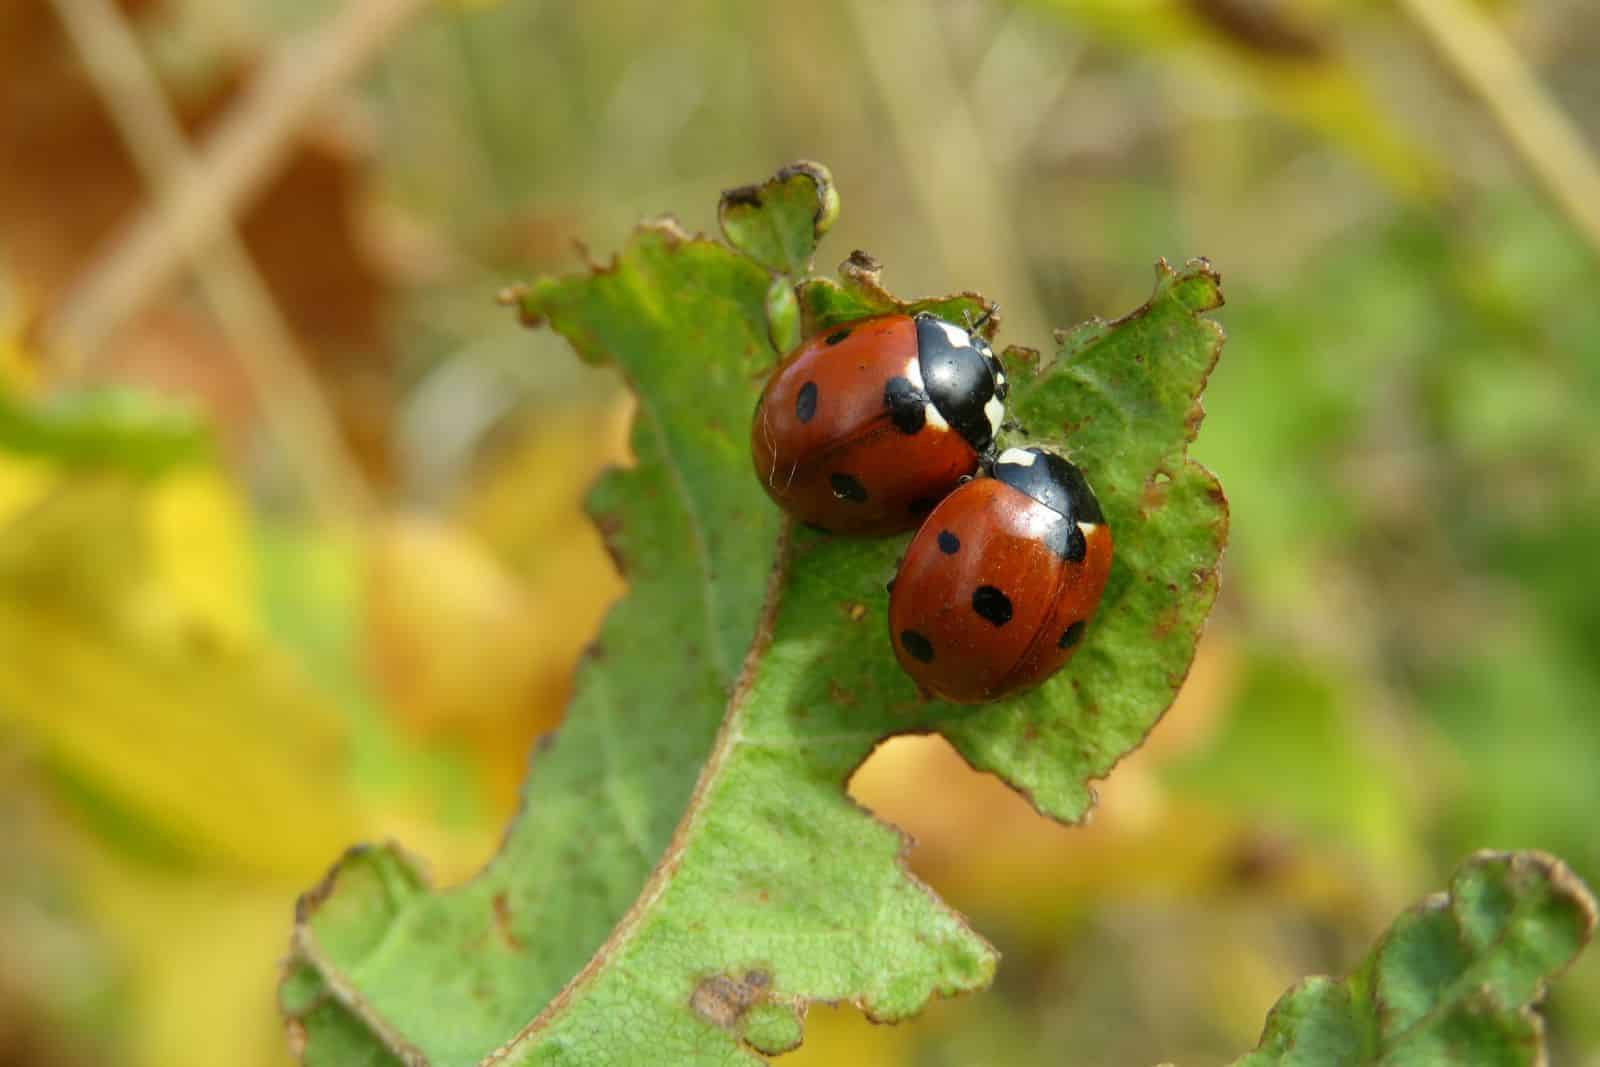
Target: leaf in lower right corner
column 1454, row 981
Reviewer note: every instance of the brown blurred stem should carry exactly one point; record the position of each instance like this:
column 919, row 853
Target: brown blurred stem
column 1477, row 51
column 946, row 159
column 191, row 221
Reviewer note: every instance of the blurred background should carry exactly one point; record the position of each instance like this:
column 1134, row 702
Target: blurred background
column 290, row 547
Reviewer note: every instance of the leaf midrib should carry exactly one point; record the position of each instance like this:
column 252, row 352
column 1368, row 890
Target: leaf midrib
column 660, row 878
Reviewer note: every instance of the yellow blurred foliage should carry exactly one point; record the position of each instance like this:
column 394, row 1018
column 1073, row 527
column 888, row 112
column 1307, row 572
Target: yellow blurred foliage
column 841, row 1036
column 984, row 848
column 200, row 956
column 476, row 626
column 130, row 669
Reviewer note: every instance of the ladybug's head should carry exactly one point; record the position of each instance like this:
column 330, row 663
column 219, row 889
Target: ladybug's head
column 963, row 379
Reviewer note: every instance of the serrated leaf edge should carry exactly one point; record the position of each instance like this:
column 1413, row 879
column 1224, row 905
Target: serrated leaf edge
column 661, row 876
column 1071, row 342
column 1562, row 883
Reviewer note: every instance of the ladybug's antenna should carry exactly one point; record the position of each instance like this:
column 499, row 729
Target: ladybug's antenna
column 988, row 313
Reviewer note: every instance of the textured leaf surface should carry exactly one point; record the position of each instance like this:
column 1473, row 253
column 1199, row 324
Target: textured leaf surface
column 1455, row 980
column 1122, row 400
column 774, row 889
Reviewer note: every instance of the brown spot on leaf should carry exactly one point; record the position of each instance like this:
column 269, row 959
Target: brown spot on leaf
column 723, row 1000
column 1154, row 495
column 854, row 610
column 295, row 1032
column 743, row 196
column 502, row 923
column 610, row 526
column 839, row 695
column 1167, row 621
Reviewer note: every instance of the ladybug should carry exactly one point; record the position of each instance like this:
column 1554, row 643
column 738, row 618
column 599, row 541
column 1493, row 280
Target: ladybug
column 998, row 584
column 863, row 429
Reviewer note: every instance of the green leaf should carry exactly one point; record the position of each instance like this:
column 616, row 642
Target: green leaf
column 1455, row 980
column 696, row 539
column 859, row 292
column 113, row 428
column 1122, row 400
column 779, row 222
column 678, row 893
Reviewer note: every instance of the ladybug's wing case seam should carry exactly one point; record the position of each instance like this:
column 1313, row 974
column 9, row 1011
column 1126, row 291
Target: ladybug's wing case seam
column 1044, row 631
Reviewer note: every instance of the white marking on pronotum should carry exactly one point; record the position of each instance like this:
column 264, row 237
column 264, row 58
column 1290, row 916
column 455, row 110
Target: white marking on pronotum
column 955, row 335
column 914, row 373
column 1088, row 528
column 995, row 409
column 1019, row 457
column 930, row 413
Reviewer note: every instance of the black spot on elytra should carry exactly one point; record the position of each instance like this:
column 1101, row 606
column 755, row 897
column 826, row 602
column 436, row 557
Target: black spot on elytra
column 848, row 488
column 906, row 404
column 917, row 646
column 805, row 404
column 922, row 505
column 888, row 586
column 949, row 543
column 1071, row 635
column 992, row 605
column 838, row 335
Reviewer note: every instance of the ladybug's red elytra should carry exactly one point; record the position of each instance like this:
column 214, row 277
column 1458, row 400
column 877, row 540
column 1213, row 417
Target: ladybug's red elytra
column 999, row 583
column 864, row 428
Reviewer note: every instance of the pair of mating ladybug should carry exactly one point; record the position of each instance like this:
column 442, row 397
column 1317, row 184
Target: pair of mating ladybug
column 881, row 425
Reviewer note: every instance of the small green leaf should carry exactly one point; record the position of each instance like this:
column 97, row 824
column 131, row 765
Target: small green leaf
column 783, row 315
column 1455, row 980
column 779, row 222
column 859, row 292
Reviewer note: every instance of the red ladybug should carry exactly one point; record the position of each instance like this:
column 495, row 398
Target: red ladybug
column 863, row 429
column 998, row 584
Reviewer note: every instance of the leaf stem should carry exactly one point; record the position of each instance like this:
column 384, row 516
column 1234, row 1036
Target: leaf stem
column 946, row 159
column 728, row 735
